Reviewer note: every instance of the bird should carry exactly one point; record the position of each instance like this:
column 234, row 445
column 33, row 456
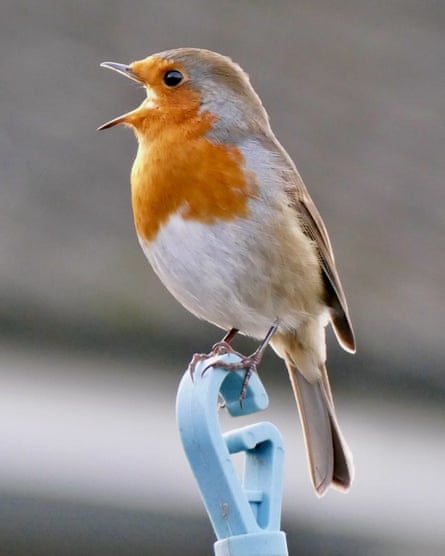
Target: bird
column 223, row 216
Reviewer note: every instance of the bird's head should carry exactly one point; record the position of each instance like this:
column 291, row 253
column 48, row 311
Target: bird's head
column 187, row 83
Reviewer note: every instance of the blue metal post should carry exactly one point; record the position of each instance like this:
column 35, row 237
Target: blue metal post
column 245, row 514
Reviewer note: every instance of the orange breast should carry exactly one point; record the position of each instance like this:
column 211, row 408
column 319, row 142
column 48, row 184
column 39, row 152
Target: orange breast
column 179, row 170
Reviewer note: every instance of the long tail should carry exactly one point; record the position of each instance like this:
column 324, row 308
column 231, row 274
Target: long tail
column 330, row 461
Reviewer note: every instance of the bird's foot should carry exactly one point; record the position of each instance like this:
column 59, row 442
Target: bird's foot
column 220, row 348
column 249, row 363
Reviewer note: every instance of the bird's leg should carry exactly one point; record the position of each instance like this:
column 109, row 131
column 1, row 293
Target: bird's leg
column 230, row 335
column 224, row 346
column 249, row 363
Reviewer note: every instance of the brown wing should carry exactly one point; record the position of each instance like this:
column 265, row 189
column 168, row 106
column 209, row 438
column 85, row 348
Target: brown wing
column 315, row 229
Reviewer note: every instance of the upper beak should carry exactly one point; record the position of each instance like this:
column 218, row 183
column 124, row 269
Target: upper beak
column 121, row 68
column 124, row 70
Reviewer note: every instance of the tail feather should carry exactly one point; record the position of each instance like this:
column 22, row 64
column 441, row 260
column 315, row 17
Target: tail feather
column 330, row 461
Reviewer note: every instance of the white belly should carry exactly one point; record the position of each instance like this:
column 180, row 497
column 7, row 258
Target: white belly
column 211, row 271
column 224, row 273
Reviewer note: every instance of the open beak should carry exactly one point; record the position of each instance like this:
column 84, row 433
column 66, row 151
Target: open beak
column 124, row 70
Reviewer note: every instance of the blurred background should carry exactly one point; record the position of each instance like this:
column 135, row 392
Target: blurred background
column 92, row 346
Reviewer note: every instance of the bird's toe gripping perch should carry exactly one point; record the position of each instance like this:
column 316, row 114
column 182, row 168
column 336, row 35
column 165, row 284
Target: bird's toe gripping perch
column 245, row 514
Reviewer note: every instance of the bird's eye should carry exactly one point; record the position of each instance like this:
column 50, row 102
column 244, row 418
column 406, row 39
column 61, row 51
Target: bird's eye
column 172, row 78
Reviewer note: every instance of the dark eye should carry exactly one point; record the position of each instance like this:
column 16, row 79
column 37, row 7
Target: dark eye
column 173, row 78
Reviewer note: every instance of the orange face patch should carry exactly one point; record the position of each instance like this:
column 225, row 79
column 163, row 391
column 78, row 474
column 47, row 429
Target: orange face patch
column 177, row 168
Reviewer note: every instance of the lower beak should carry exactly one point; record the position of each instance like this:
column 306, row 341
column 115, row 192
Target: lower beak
column 112, row 123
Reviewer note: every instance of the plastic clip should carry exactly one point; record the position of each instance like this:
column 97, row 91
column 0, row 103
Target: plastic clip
column 245, row 514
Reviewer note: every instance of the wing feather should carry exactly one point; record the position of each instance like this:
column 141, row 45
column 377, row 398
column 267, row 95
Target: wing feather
column 315, row 229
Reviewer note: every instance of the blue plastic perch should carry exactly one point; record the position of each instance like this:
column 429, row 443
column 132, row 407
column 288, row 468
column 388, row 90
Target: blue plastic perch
column 245, row 514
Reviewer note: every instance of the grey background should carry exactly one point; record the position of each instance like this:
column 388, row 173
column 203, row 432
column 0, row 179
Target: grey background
column 355, row 92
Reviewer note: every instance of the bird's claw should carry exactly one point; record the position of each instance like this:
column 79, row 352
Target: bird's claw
column 249, row 363
column 220, row 348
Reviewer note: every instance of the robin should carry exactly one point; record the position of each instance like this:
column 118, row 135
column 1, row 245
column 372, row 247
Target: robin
column 228, row 225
